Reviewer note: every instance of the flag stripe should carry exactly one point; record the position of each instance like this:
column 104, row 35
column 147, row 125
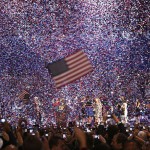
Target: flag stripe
column 71, row 65
column 77, row 69
column 80, row 57
column 70, row 75
column 22, row 94
column 73, row 56
column 73, row 78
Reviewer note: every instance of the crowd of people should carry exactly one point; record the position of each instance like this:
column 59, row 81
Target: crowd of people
column 102, row 136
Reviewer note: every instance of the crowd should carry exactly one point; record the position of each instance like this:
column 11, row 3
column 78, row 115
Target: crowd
column 103, row 136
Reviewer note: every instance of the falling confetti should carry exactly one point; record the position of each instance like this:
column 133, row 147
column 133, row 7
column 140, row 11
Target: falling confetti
column 114, row 35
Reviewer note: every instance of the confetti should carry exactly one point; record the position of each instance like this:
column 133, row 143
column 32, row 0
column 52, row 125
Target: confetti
column 114, row 35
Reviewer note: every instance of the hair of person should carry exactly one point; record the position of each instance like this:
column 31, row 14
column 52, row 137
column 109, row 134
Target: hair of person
column 101, row 146
column 112, row 130
column 89, row 140
column 31, row 142
column 132, row 144
column 54, row 141
column 121, row 138
column 101, row 130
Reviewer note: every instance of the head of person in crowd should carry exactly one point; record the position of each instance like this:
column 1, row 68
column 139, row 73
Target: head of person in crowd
column 101, row 130
column 118, row 141
column 57, row 143
column 89, row 140
column 101, row 146
column 5, row 139
column 10, row 147
column 6, row 127
column 142, row 135
column 122, row 128
column 1, row 143
column 131, row 145
column 111, row 131
column 31, row 142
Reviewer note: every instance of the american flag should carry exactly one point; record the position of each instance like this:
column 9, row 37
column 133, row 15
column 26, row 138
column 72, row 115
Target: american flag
column 69, row 69
column 23, row 95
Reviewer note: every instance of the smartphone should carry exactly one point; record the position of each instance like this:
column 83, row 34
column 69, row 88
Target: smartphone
column 87, row 130
column 96, row 136
column 64, row 136
column 108, row 116
column 46, row 134
column 77, row 123
column 102, row 123
column 31, row 130
column 2, row 120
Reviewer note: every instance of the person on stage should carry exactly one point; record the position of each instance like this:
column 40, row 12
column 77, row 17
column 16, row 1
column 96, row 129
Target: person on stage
column 118, row 111
column 89, row 111
column 38, row 111
column 98, row 110
column 83, row 114
column 137, row 112
column 124, row 111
